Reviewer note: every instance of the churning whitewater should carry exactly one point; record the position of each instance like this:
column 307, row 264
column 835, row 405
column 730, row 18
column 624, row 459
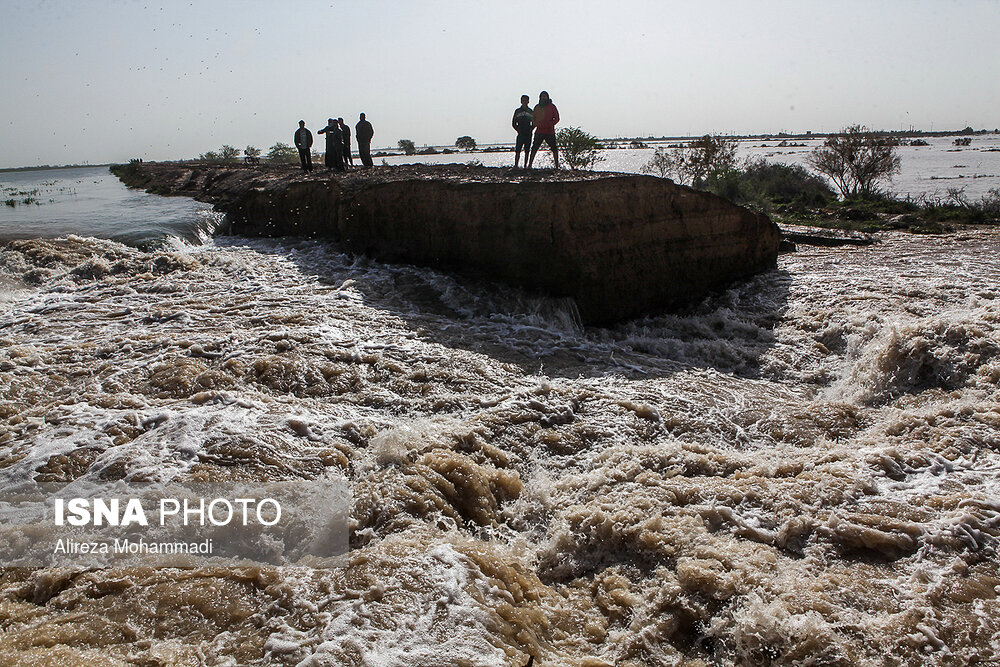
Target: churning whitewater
column 802, row 469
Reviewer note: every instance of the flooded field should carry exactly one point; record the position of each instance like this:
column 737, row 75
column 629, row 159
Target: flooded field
column 926, row 171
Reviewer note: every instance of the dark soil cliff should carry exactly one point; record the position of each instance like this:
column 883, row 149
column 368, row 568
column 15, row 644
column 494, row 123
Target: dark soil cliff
column 621, row 245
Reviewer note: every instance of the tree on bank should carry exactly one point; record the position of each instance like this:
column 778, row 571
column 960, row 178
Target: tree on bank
column 251, row 152
column 856, row 161
column 579, row 149
column 465, row 143
column 229, row 154
column 225, row 155
column 281, row 153
column 407, row 146
column 662, row 164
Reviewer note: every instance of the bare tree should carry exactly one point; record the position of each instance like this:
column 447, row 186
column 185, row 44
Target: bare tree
column 856, row 160
column 693, row 163
column 663, row 164
column 710, row 154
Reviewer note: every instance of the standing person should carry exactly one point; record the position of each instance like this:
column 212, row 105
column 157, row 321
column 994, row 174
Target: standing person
column 334, row 145
column 522, row 125
column 544, row 117
column 346, row 129
column 364, row 132
column 304, row 142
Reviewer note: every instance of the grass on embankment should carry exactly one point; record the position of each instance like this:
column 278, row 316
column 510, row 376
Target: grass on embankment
column 791, row 194
column 883, row 213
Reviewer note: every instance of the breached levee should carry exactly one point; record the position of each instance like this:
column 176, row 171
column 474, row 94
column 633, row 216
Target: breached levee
column 621, row 245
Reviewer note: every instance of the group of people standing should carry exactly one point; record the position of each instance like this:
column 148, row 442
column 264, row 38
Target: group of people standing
column 542, row 119
column 338, row 144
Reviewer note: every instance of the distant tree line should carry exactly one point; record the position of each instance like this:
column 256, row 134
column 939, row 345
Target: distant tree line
column 279, row 153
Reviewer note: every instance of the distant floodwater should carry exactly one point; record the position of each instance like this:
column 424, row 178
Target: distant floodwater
column 89, row 201
column 926, row 170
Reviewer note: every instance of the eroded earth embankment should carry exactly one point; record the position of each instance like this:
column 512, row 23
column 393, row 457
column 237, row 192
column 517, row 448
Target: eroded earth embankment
column 621, row 245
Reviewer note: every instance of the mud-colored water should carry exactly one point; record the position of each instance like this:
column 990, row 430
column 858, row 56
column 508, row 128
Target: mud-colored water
column 804, row 469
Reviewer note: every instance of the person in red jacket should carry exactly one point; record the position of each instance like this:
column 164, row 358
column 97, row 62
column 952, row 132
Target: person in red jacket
column 544, row 118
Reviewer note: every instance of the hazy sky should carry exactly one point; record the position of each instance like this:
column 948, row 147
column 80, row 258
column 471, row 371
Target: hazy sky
column 106, row 81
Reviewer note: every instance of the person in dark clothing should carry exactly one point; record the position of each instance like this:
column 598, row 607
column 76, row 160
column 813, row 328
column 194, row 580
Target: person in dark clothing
column 544, row 117
column 346, row 129
column 364, row 132
column 522, row 125
column 334, row 145
column 304, row 142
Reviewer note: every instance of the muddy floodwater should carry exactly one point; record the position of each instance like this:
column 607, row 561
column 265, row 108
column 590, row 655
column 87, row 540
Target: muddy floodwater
column 803, row 469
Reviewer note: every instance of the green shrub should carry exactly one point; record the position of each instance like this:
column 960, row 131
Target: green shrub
column 225, row 155
column 229, row 154
column 784, row 184
column 769, row 186
column 282, row 153
column 956, row 207
column 990, row 203
column 578, row 149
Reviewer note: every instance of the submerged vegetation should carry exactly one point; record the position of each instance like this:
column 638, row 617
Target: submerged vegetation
column 15, row 196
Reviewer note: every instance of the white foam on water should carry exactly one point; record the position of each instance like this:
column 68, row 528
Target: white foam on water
column 800, row 469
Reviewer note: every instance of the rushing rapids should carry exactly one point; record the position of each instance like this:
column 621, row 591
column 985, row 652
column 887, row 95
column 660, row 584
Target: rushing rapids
column 804, row 469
